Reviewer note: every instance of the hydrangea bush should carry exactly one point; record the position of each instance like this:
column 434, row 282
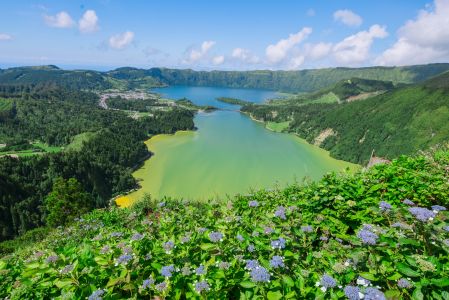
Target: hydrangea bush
column 377, row 234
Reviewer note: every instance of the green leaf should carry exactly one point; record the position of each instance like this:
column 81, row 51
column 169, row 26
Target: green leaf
column 207, row 246
column 393, row 294
column 395, row 276
column 440, row 282
column 368, row 276
column 406, row 270
column 2, row 265
column 61, row 283
column 288, row 281
column 274, row 295
column 417, row 294
column 247, row 284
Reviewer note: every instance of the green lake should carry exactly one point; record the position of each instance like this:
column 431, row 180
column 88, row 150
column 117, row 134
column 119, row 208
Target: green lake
column 228, row 154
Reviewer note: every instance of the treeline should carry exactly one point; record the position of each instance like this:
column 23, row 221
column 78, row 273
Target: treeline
column 398, row 122
column 103, row 165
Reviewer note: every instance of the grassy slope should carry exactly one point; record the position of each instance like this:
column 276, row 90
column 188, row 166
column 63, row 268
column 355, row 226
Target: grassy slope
column 335, row 207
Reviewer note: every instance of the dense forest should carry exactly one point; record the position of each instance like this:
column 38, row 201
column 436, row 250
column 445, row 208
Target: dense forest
column 400, row 121
column 102, row 165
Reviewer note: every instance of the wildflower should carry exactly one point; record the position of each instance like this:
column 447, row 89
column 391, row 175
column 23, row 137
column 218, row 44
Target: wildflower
column 251, row 248
column 116, row 234
column 404, row 283
column 124, row 259
column 201, row 286
column 97, row 295
column 306, row 228
column 136, row 237
column 168, row 246
column 148, row 283
column 438, row 208
column 216, row 236
column 362, row 281
column 200, row 270
column 186, row 238
column 422, row 214
column 161, row 286
column 105, row 249
column 240, row 237
column 268, row 230
column 280, row 212
column 186, row 271
column 161, row 204
column 327, row 281
column 277, row 262
column 167, row 271
column 446, row 242
column 224, row 265
column 260, row 274
column 401, row 225
column 374, row 294
column 253, row 203
column 352, row 292
column 384, row 206
column 201, row 230
column 408, row 202
column 255, row 233
column 367, row 237
column 324, row 238
column 67, row 269
column 52, row 259
column 127, row 250
column 252, row 264
column 96, row 238
column 278, row 244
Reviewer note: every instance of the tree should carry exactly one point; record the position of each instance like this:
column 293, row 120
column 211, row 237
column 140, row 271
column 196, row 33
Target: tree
column 66, row 201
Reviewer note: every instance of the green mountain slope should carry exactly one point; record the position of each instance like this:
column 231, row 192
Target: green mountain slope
column 400, row 121
column 267, row 245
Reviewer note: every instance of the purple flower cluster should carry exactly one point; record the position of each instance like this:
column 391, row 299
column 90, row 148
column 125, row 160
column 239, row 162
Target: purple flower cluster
column 368, row 237
column 167, row 271
column 147, row 283
column 67, row 269
column 160, row 287
column 252, row 264
column 327, row 281
column 240, row 237
column 168, row 246
column 352, row 292
column 52, row 259
column 260, row 274
column 438, row 208
column 307, row 228
column 124, row 259
column 277, row 262
column 268, row 230
column 97, row 295
column 224, row 265
column 253, row 203
column 251, row 248
column 216, row 236
column 374, row 294
column 408, row 202
column 404, row 283
column 116, row 234
column 385, row 206
column 136, row 237
column 280, row 212
column 200, row 270
column 278, row 244
column 422, row 214
column 201, row 286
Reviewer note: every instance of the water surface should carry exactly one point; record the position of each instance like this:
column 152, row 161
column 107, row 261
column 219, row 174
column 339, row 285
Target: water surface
column 228, row 154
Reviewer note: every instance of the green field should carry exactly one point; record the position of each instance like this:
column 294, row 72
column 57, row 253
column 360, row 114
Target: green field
column 277, row 127
column 78, row 141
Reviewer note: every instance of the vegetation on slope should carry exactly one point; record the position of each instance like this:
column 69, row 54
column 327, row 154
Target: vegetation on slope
column 381, row 232
column 400, row 121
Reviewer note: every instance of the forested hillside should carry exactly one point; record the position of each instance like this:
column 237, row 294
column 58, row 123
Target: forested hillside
column 400, row 121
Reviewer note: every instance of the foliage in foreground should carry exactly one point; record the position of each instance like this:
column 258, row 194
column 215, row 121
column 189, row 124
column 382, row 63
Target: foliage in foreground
column 383, row 233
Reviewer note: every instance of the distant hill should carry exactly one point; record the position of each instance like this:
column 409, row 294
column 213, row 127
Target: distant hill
column 400, row 121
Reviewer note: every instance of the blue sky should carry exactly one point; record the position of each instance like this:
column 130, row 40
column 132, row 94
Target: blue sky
column 230, row 34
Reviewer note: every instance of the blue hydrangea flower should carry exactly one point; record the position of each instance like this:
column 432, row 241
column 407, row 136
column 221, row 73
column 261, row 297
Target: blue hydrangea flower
column 268, row 230
column 97, row 295
column 105, row 249
column 327, row 281
column 136, row 237
column 167, row 271
column 116, row 234
column 52, row 259
column 277, row 262
column 404, row 283
column 252, row 264
column 240, row 237
column 422, row 214
column 362, row 281
column 124, row 259
column 161, row 204
column 67, row 269
column 185, row 239
column 374, row 294
column 408, row 202
column 324, row 238
column 352, row 292
column 202, row 230
column 168, row 246
column 280, row 212
column 200, row 270
column 147, row 283
column 401, row 225
column 278, row 244
column 201, row 286
column 384, row 206
column 253, row 203
column 307, row 228
column 438, row 208
column 367, row 237
column 260, row 274
column 251, row 248
column 215, row 236
column 224, row 265
column 161, row 287
column 446, row 228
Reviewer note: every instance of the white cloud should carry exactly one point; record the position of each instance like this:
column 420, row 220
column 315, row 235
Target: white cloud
column 296, row 62
column 195, row 55
column 60, row 20
column 245, row 56
column 5, row 37
column 318, row 51
column 121, row 40
column 88, row 22
column 348, row 17
column 422, row 40
column 218, row 60
column 355, row 48
column 278, row 52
